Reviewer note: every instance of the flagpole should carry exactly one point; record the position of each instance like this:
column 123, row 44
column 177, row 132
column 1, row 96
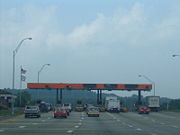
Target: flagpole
column 20, row 85
column 21, row 78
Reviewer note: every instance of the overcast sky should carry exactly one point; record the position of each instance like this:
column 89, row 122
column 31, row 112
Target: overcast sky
column 92, row 41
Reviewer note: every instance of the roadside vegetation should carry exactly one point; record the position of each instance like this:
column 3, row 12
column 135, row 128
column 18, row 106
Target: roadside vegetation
column 8, row 112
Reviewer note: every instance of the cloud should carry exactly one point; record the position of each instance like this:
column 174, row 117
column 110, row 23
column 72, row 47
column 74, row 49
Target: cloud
column 120, row 45
column 124, row 27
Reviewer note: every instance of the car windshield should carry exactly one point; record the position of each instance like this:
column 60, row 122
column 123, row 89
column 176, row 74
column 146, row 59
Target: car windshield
column 93, row 109
column 31, row 107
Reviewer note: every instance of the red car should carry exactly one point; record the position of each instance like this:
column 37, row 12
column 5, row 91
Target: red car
column 60, row 112
column 143, row 110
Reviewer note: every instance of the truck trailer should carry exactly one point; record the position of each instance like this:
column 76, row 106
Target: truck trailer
column 112, row 104
column 153, row 102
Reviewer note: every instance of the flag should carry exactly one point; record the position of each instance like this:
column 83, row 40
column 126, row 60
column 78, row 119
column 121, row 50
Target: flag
column 23, row 78
column 23, row 71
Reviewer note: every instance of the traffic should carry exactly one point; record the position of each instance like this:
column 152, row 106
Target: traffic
column 111, row 104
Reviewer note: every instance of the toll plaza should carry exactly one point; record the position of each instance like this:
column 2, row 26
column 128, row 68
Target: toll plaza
column 59, row 87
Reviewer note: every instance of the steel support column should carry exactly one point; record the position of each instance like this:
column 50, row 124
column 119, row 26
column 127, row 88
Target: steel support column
column 97, row 96
column 57, row 96
column 139, row 97
column 100, row 96
column 61, row 98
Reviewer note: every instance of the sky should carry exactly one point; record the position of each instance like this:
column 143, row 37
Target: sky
column 104, row 41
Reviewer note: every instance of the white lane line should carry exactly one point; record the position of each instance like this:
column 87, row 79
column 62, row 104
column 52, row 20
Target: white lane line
column 79, row 123
column 69, row 131
column 22, row 126
column 80, row 120
column 130, row 125
column 162, row 123
column 76, row 126
column 43, row 120
column 138, row 129
column 118, row 120
column 1, row 130
column 34, row 123
column 174, row 126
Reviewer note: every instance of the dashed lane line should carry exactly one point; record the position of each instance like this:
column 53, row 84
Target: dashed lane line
column 76, row 126
column 1, row 130
column 130, row 125
column 138, row 129
column 22, row 126
column 174, row 126
column 69, row 131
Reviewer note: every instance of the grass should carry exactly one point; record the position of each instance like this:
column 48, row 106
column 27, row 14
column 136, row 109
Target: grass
column 8, row 112
column 175, row 110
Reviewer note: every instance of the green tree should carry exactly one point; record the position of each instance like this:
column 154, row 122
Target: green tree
column 23, row 98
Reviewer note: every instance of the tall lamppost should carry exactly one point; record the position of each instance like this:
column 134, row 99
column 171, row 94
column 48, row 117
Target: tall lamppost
column 175, row 55
column 149, row 81
column 13, row 77
column 41, row 70
column 14, row 55
column 39, row 75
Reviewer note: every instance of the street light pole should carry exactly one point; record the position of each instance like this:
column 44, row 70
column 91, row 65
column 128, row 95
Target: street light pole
column 175, row 55
column 13, row 78
column 39, row 76
column 41, row 70
column 14, row 55
column 149, row 81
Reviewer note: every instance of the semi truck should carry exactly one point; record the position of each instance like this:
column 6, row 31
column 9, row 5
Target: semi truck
column 153, row 102
column 112, row 104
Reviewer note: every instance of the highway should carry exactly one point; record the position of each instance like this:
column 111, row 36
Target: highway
column 131, row 123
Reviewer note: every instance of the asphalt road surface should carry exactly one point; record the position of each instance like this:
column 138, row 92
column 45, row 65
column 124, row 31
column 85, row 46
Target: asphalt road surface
column 161, row 123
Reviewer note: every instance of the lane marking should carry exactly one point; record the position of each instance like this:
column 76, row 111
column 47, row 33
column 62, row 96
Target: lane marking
column 138, row 129
column 69, row 131
column 1, row 130
column 22, row 126
column 130, row 125
column 118, row 120
column 43, row 120
column 76, row 126
column 34, row 123
column 79, row 123
column 80, row 120
column 162, row 123
column 174, row 126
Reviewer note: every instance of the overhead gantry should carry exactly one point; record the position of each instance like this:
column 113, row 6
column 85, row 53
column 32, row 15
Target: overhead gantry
column 85, row 86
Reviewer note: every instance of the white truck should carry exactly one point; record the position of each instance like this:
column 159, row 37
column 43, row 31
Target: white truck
column 112, row 104
column 153, row 102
